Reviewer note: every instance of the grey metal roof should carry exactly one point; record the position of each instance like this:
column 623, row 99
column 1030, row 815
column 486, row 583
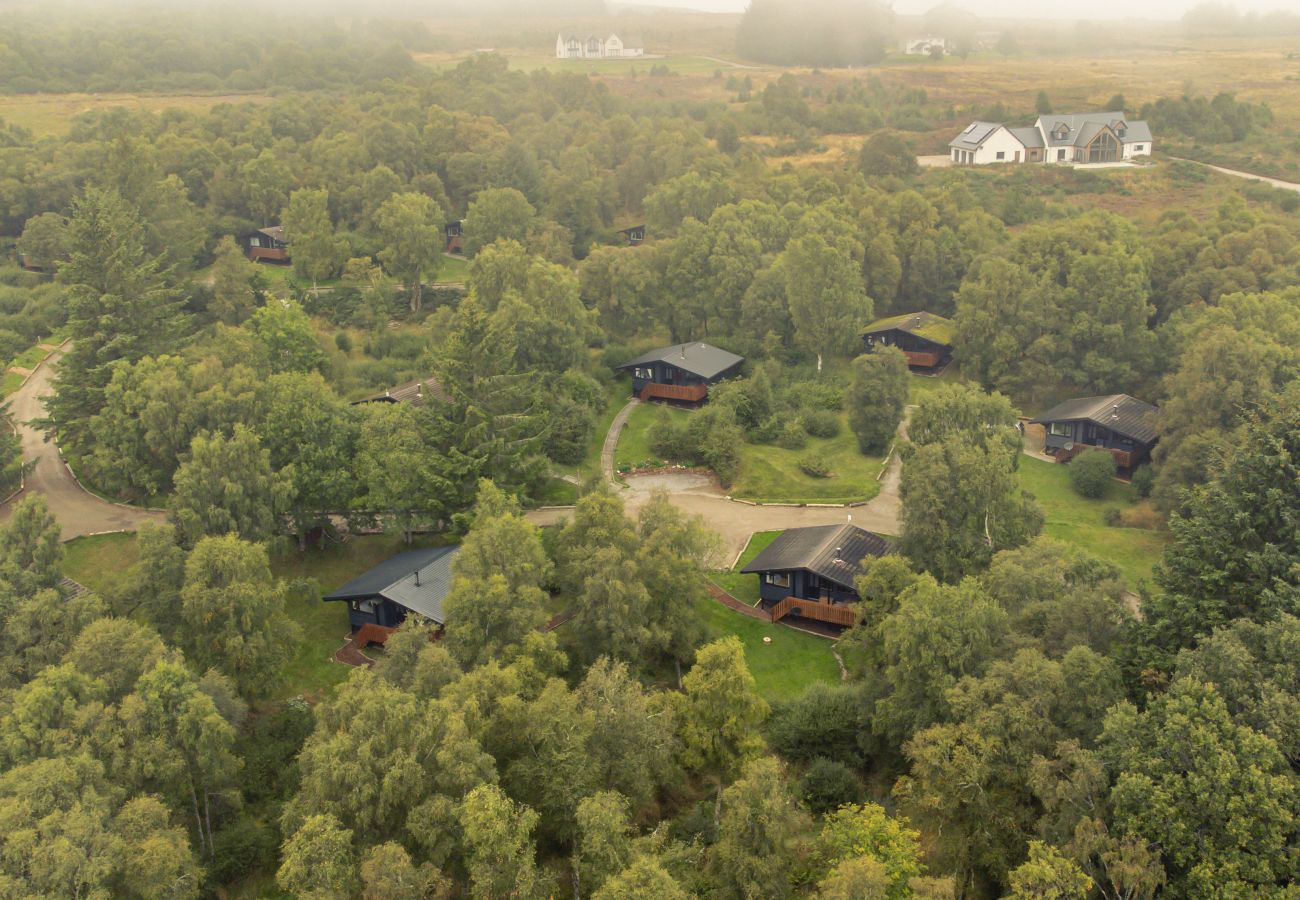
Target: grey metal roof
column 834, row 552
column 414, row 392
column 1030, row 136
column 1118, row 412
column 975, row 134
column 418, row 580
column 274, row 232
column 1083, row 127
column 704, row 360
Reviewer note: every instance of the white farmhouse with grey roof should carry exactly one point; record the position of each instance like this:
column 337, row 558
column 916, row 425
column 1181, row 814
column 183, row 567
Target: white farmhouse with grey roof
column 1078, row 138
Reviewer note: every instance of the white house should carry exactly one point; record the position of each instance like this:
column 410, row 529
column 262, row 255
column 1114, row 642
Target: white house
column 593, row 46
column 1075, row 138
column 924, row 46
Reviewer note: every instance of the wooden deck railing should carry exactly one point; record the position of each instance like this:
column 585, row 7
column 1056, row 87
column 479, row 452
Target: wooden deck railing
column 270, row 254
column 691, row 393
column 834, row 613
column 1123, row 458
column 923, row 358
column 371, row 634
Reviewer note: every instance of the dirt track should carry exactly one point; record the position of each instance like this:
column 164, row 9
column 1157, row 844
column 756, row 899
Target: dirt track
column 78, row 512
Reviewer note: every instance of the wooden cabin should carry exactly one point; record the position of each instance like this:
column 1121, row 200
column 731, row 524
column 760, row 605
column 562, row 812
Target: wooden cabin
column 682, row 372
column 454, row 232
column 809, row 572
column 416, row 393
column 266, row 245
column 411, row 583
column 27, row 264
column 1116, row 422
column 634, row 235
column 925, row 339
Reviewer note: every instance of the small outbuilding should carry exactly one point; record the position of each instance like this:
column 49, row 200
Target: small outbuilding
column 925, row 339
column 266, row 245
column 809, row 572
column 412, row 583
column 682, row 372
column 416, row 392
column 634, row 234
column 454, row 232
column 1119, row 423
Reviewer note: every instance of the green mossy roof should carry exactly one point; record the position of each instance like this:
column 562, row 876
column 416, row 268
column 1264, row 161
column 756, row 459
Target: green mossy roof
column 922, row 324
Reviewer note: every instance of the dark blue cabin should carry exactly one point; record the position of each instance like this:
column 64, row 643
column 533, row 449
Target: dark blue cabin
column 1116, row 422
column 415, row 582
column 682, row 372
column 267, row 245
column 634, row 235
column 809, row 572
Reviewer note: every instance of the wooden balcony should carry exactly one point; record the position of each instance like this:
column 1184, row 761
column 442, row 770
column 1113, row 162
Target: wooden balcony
column 686, row 393
column 371, row 634
column 925, row 359
column 817, row 610
column 1123, row 458
column 268, row 254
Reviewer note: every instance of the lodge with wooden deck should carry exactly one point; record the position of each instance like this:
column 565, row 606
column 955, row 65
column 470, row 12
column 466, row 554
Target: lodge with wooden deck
column 412, row 583
column 809, row 572
column 681, row 373
column 266, row 245
column 1118, row 423
column 925, row 339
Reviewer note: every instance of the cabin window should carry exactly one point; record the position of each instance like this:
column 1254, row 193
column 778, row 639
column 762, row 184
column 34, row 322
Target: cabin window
column 779, row 579
column 1002, row 154
column 1060, row 156
column 254, row 242
column 1061, row 429
column 1137, row 147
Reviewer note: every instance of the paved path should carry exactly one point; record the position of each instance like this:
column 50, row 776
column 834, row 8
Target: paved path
column 1275, row 182
column 611, row 439
column 735, row 522
column 77, row 511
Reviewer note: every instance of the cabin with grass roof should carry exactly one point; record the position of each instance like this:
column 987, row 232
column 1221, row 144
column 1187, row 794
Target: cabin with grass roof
column 925, row 339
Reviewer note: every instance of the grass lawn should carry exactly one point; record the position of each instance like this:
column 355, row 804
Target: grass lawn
column 745, row 587
column 452, row 270
column 10, row 382
column 781, row 669
column 98, row 560
column 30, row 358
column 49, row 113
column 1079, row 521
column 769, row 473
column 920, row 385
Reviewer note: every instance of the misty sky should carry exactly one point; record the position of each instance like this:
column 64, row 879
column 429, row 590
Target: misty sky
column 1029, row 9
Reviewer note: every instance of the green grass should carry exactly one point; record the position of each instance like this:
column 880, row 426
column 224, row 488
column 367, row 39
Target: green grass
column 771, row 474
column 452, row 269
column 99, row 560
column 1080, row 521
column 10, row 382
column 920, row 385
column 745, row 587
column 30, row 358
column 634, row 443
column 781, row 669
column 558, row 492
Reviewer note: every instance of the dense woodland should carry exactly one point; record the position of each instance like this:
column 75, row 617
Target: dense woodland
column 1012, row 723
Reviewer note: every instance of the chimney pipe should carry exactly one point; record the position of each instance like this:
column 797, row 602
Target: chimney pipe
column 417, row 577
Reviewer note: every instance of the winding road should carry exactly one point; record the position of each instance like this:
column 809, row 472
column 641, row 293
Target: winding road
column 733, row 520
column 77, row 511
column 1275, row 182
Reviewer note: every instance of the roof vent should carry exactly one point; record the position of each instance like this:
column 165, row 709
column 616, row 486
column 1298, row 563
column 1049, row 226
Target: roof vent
column 838, row 551
column 417, row 577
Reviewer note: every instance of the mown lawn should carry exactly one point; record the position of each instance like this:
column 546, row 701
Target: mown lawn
column 1080, row 521
column 745, row 587
column 452, row 269
column 781, row 669
column 920, row 385
column 98, row 560
column 769, row 473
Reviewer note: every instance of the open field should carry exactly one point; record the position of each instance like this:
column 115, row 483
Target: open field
column 1080, row 522
column 53, row 113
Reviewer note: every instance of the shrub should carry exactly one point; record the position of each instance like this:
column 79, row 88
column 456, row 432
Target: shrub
column 770, row 431
column 1143, row 480
column 792, row 436
column 829, row 784
column 343, row 341
column 815, row 395
column 669, row 440
column 243, row 846
column 820, row 423
column 823, row 721
column 1091, row 472
column 814, row 465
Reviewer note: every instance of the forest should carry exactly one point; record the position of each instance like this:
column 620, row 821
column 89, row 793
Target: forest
column 1015, row 718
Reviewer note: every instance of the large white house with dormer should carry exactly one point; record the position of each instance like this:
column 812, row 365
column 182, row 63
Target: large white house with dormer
column 1079, row 138
column 594, row 46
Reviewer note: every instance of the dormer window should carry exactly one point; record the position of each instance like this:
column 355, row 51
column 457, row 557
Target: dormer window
column 1061, row 132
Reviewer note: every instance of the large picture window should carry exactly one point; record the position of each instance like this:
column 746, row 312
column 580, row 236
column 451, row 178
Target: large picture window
column 1061, row 429
column 779, row 579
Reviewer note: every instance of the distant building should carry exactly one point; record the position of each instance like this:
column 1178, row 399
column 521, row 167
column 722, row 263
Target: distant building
column 1077, row 138
column 454, row 232
column 1119, row 423
column 594, row 46
column 266, row 245
column 925, row 46
column 925, row 339
column 682, row 372
column 411, row 583
column 416, row 393
column 810, row 572
column 635, row 234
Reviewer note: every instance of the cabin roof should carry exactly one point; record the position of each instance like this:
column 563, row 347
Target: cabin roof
column 414, row 392
column 1029, row 136
column 834, row 552
column 704, row 360
column 1118, row 412
column 418, row 580
column 1083, row 127
column 976, row 133
column 274, row 232
column 923, row 324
